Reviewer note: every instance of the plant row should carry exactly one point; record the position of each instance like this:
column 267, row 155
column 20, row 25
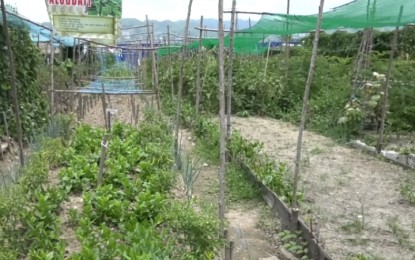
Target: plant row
column 206, row 129
column 260, row 87
column 131, row 215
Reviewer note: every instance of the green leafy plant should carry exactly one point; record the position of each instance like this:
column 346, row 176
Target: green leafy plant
column 293, row 242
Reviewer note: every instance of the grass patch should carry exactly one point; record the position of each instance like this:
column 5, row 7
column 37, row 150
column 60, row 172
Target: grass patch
column 239, row 186
column 401, row 235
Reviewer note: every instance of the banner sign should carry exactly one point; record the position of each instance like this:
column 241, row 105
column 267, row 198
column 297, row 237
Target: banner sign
column 88, row 19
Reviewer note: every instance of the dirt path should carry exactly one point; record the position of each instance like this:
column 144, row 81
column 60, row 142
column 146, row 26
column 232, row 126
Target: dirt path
column 354, row 196
column 250, row 242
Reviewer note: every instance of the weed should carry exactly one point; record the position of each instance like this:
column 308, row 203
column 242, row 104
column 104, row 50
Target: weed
column 239, row 187
column 316, row 151
column 361, row 256
column 407, row 189
column 353, row 227
column 401, row 235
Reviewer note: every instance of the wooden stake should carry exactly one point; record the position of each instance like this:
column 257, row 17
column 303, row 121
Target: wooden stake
column 287, row 45
column 52, row 86
column 104, row 106
column 14, row 91
column 180, row 90
column 170, row 62
column 73, row 61
column 199, row 61
column 132, row 102
column 6, row 129
column 104, row 146
column 222, row 168
column 385, row 100
column 154, row 65
column 230, row 74
column 294, row 206
column 267, row 60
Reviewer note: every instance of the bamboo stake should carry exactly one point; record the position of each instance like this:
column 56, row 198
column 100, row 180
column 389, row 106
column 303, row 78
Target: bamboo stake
column 294, row 206
column 170, row 62
column 267, row 60
column 154, row 65
column 104, row 146
column 6, row 128
column 222, row 169
column 73, row 61
column 199, row 61
column 52, row 85
column 385, row 102
column 14, row 91
column 230, row 74
column 104, row 106
column 180, row 91
column 287, row 43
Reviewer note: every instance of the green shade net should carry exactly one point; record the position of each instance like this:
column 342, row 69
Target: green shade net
column 357, row 14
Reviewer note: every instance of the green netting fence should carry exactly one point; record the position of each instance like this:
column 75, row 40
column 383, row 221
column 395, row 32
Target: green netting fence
column 358, row 14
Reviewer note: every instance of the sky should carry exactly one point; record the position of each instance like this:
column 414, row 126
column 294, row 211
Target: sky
column 35, row 10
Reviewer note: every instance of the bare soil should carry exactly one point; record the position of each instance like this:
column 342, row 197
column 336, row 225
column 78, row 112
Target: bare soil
column 122, row 106
column 250, row 242
column 353, row 196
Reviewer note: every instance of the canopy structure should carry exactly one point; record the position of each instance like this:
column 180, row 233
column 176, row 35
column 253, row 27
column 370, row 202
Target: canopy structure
column 357, row 14
column 38, row 32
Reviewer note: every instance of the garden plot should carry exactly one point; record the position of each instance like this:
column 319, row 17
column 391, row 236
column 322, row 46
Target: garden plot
column 354, row 197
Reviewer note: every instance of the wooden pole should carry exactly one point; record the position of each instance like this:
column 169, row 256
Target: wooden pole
column 104, row 106
column 150, row 32
column 14, row 91
column 267, row 60
column 52, row 85
column 170, row 62
column 199, row 61
column 222, row 156
column 287, row 45
column 73, row 60
column 180, row 90
column 6, row 129
column 104, row 146
column 294, row 205
column 385, row 102
column 230, row 74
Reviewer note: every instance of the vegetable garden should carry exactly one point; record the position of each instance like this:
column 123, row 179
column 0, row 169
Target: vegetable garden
column 107, row 174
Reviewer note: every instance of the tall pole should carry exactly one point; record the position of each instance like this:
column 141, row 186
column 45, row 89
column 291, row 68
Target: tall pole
column 199, row 61
column 14, row 91
column 150, row 33
column 52, row 86
column 294, row 205
column 222, row 156
column 170, row 61
column 386, row 85
column 180, row 90
column 230, row 73
column 287, row 44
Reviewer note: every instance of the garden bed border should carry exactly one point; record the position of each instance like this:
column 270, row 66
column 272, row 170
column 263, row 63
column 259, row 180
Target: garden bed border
column 316, row 251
